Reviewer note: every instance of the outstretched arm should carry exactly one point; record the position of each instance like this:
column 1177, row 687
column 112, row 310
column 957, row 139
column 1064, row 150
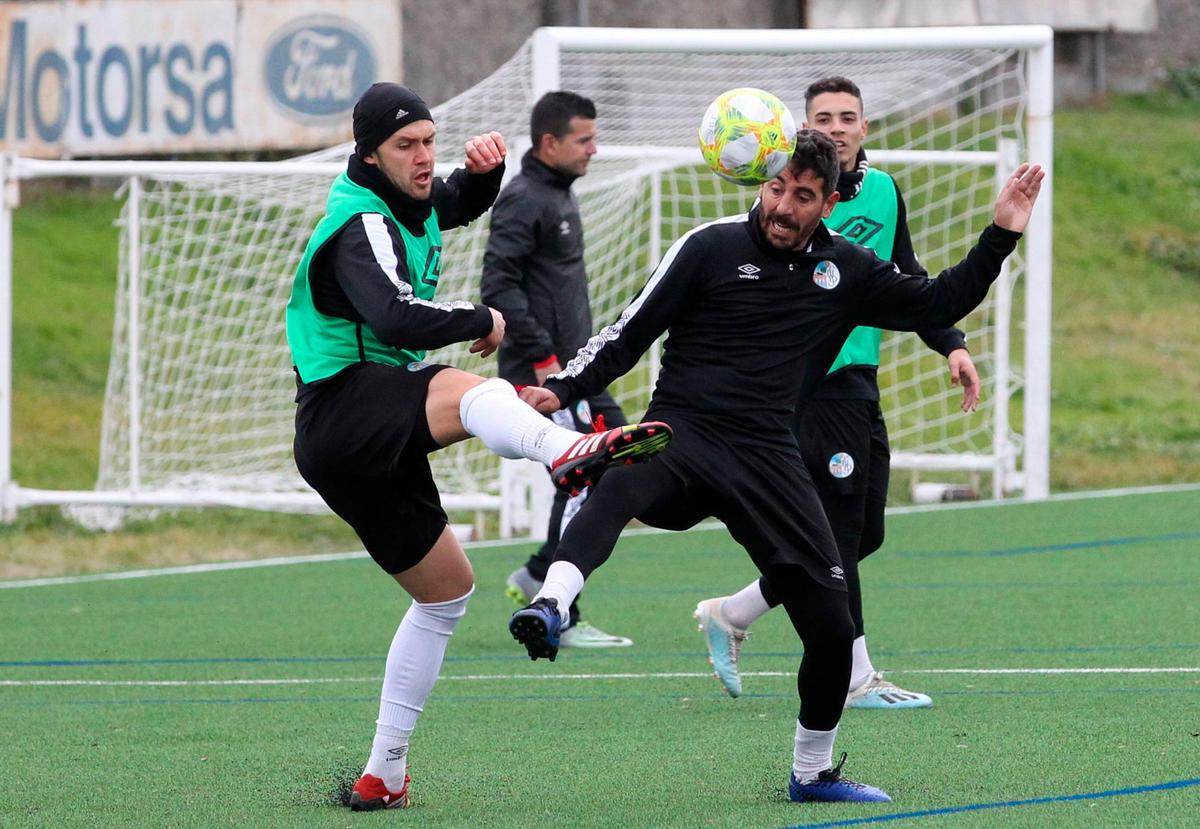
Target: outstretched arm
column 903, row 302
column 950, row 342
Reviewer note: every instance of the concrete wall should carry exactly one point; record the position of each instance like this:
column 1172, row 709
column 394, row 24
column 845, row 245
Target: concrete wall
column 1140, row 62
column 1100, row 45
column 448, row 47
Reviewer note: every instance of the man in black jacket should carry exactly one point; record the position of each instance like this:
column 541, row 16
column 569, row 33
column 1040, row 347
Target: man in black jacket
column 756, row 307
column 841, row 431
column 533, row 273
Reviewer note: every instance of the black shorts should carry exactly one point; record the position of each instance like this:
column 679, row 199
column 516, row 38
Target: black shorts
column 844, row 444
column 763, row 494
column 362, row 440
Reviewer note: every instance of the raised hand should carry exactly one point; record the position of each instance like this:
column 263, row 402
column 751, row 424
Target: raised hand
column 485, row 152
column 1015, row 202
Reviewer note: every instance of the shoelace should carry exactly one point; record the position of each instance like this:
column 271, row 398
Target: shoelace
column 836, row 771
column 877, row 682
column 736, row 639
column 834, row 775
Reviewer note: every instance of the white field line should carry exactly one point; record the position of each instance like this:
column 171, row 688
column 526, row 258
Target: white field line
column 189, row 569
column 187, row 683
column 1049, row 671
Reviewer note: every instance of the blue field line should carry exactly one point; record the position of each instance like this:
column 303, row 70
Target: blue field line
column 714, row 697
column 1062, row 649
column 1003, row 804
column 214, row 660
column 1050, row 548
column 1041, row 584
column 623, row 656
column 374, row 700
column 618, row 589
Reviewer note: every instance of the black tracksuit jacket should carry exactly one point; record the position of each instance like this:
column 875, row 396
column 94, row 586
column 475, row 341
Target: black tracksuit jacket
column 533, row 271
column 753, row 330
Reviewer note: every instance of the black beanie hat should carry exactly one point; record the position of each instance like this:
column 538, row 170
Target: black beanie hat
column 383, row 109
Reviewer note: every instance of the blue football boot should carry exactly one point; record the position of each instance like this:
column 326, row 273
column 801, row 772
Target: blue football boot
column 830, row 787
column 537, row 628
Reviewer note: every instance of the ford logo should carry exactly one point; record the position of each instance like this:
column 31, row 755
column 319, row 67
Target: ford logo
column 317, row 67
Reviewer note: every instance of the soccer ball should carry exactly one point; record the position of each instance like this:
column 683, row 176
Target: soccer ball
column 747, row 136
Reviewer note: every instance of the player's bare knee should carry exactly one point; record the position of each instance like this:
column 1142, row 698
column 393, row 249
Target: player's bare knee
column 463, row 586
column 444, row 403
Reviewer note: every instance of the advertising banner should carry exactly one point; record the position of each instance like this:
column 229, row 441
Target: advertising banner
column 146, row 77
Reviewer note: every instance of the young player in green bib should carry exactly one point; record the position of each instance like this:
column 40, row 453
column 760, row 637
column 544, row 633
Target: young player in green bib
column 841, row 431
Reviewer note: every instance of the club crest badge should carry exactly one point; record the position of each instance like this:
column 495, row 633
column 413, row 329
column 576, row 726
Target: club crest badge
column 827, row 275
column 841, row 465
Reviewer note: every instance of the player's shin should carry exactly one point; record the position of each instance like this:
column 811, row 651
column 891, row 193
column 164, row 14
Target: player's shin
column 813, row 753
column 413, row 663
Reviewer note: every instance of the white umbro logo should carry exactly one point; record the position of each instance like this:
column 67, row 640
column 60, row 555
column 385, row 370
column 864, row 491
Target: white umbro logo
column 400, row 113
column 748, row 271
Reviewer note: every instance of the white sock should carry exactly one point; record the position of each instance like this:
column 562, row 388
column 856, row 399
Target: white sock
column 744, row 607
column 563, row 583
column 862, row 670
column 814, row 752
column 413, row 663
column 509, row 427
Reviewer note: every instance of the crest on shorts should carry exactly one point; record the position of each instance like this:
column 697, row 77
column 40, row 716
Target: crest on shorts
column 827, row 275
column 583, row 411
column 416, row 365
column 841, row 465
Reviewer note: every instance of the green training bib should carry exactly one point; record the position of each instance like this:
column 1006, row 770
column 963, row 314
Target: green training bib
column 322, row 345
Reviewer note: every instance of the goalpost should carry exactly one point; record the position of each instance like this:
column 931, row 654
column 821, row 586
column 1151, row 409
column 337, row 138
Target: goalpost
column 198, row 405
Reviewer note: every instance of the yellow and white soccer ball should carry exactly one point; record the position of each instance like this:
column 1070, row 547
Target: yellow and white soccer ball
column 747, row 136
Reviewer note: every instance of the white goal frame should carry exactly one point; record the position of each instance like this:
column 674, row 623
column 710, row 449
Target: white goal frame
column 547, row 47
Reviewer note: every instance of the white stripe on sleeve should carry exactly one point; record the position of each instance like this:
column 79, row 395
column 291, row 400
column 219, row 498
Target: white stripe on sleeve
column 381, row 246
column 613, row 332
column 385, row 256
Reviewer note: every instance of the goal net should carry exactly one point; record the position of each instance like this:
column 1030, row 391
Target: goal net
column 200, row 387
